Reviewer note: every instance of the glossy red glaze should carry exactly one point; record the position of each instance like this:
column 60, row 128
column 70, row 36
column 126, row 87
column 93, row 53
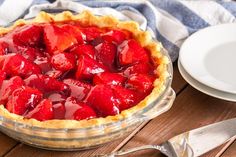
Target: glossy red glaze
column 102, row 99
column 71, row 71
column 59, row 110
column 106, row 53
column 63, row 61
column 57, row 39
column 84, row 112
column 28, row 35
column 140, row 82
column 84, row 49
column 8, row 87
column 4, row 47
column 115, row 36
column 47, row 84
column 139, row 68
column 75, row 31
column 17, row 65
column 79, row 89
column 88, row 67
column 109, row 79
column 127, row 98
column 2, row 76
column 43, row 111
column 23, row 99
column 56, row 97
column 91, row 32
column 130, row 51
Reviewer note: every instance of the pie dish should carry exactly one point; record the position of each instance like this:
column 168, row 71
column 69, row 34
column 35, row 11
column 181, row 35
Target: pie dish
column 122, row 79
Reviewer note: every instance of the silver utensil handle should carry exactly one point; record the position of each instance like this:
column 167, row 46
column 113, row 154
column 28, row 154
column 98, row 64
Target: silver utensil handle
column 132, row 150
column 124, row 152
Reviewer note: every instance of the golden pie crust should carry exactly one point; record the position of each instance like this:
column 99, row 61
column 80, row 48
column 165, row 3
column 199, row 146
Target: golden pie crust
column 143, row 37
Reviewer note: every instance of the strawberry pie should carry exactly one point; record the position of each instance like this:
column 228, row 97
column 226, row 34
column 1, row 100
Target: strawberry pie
column 82, row 69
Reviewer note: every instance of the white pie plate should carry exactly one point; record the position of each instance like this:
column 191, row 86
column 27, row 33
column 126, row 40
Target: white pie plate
column 205, row 89
column 209, row 56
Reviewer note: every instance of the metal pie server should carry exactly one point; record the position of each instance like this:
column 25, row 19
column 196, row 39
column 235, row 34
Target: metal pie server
column 192, row 143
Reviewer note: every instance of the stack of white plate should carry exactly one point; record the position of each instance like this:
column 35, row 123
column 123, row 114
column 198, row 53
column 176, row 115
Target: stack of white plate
column 207, row 61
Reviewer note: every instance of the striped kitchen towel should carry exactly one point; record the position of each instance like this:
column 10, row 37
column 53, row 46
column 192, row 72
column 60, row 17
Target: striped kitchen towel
column 170, row 21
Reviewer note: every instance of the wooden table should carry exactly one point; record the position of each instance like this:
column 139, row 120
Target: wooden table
column 190, row 110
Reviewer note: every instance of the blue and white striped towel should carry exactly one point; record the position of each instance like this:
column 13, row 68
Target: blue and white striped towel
column 171, row 21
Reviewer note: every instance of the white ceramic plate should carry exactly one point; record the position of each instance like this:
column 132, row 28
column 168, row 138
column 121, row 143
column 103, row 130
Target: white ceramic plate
column 209, row 56
column 205, row 89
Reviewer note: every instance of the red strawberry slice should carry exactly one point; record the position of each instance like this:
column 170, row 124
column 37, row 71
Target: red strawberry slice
column 91, row 32
column 71, row 106
column 106, row 53
column 28, row 35
column 8, row 86
column 54, row 73
column 102, row 99
column 78, row 110
column 57, row 39
column 56, row 98
column 97, row 41
column 59, row 110
column 47, row 84
column 2, row 76
column 128, row 98
column 130, row 51
column 140, row 82
column 23, row 99
column 43, row 111
column 63, row 61
column 43, row 63
column 47, row 69
column 85, row 112
column 75, row 31
column 108, row 78
column 78, row 89
column 4, row 47
column 84, row 49
column 16, row 64
column 88, row 67
column 139, row 68
column 29, row 53
column 114, row 36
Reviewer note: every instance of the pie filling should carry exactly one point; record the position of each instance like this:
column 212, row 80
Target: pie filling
column 71, row 71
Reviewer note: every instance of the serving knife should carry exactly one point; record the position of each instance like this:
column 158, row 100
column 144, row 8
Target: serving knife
column 192, row 143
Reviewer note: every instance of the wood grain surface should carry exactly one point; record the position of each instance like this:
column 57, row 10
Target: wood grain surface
column 191, row 109
column 231, row 151
column 6, row 144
